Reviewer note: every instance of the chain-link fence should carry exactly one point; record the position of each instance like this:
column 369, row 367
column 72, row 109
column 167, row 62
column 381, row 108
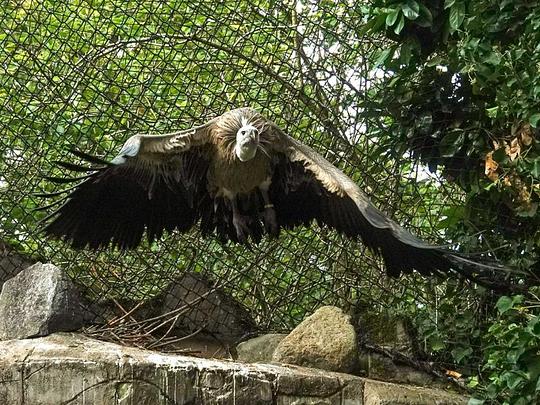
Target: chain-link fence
column 91, row 74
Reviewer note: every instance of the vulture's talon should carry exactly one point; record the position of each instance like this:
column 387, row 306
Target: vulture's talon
column 270, row 222
column 241, row 225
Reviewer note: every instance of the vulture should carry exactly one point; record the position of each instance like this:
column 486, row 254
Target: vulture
column 239, row 177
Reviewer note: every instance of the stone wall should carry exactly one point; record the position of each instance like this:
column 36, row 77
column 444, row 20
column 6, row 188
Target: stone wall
column 67, row 368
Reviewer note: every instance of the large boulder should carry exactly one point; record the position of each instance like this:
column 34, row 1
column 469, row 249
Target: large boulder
column 324, row 340
column 260, row 349
column 392, row 335
column 386, row 330
column 38, row 301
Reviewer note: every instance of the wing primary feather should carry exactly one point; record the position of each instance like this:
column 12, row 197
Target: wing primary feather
column 90, row 158
column 66, row 180
column 352, row 214
column 54, row 204
column 65, row 200
column 72, row 166
column 42, row 222
column 54, row 194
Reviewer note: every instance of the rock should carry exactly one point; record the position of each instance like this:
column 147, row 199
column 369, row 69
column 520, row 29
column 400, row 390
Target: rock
column 259, row 349
column 386, row 330
column 394, row 333
column 38, row 301
column 66, row 368
column 11, row 262
column 379, row 367
column 208, row 308
column 383, row 393
column 325, row 340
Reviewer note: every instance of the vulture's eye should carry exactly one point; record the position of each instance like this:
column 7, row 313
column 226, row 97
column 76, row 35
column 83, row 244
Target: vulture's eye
column 243, row 132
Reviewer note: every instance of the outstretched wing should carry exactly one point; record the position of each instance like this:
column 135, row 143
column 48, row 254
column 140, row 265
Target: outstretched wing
column 154, row 183
column 306, row 187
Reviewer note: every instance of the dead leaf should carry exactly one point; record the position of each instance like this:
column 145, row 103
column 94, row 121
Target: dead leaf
column 453, row 374
column 526, row 134
column 513, row 149
column 491, row 167
column 524, row 195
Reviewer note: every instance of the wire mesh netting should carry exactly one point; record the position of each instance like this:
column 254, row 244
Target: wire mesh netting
column 91, row 74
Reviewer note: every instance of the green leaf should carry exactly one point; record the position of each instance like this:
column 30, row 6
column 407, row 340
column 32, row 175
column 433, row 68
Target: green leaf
column 513, row 355
column 500, row 155
column 436, row 343
column 492, row 112
column 448, row 3
column 493, row 58
column 452, row 142
column 534, row 324
column 513, row 380
column 400, row 25
column 367, row 27
column 374, row 24
column 411, row 9
column 426, row 18
column 383, row 56
column 504, row 304
column 406, row 52
column 451, row 216
column 457, row 15
column 434, row 61
column 459, row 353
column 392, row 17
column 476, row 401
column 533, row 120
column 473, row 382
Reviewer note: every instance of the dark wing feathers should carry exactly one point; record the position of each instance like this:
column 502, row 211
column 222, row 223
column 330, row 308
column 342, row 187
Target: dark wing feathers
column 307, row 200
column 117, row 203
column 307, row 187
column 151, row 185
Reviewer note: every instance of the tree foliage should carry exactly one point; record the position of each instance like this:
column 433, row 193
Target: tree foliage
column 462, row 95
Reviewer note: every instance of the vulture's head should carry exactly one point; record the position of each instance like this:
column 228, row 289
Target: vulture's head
column 241, row 132
column 247, row 141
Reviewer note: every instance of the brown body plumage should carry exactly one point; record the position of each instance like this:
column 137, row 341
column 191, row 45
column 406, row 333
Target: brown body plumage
column 239, row 176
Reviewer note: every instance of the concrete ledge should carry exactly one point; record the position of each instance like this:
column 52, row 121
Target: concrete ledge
column 67, row 368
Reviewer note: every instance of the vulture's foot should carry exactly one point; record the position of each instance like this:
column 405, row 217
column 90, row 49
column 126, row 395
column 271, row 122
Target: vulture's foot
column 269, row 215
column 240, row 222
column 241, row 225
column 270, row 220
